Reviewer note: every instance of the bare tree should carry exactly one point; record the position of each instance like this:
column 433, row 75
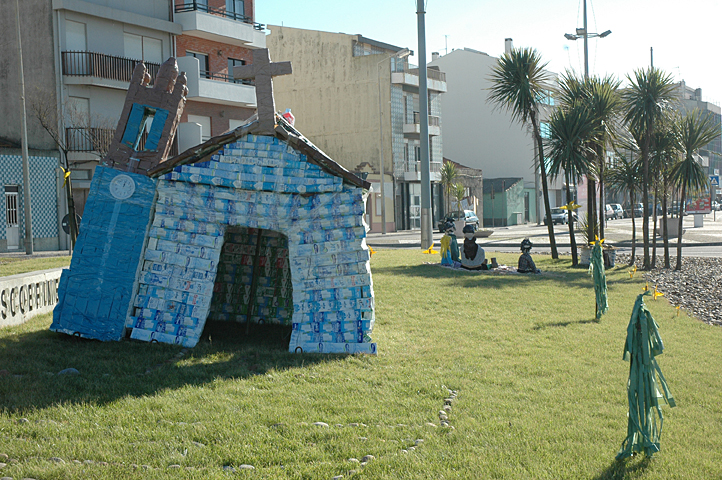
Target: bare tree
column 95, row 132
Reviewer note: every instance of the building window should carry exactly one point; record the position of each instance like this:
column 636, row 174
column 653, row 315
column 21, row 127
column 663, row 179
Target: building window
column 204, row 122
column 544, row 130
column 203, row 60
column 236, row 9
column 138, row 47
column 234, row 62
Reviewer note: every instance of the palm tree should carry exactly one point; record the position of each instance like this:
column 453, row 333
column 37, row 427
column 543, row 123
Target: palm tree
column 605, row 103
column 575, row 91
column 519, row 84
column 448, row 175
column 694, row 131
column 568, row 150
column 663, row 157
column 601, row 98
column 646, row 103
column 625, row 177
column 459, row 192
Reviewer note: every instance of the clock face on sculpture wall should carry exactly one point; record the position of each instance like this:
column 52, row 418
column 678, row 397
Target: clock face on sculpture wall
column 122, row 187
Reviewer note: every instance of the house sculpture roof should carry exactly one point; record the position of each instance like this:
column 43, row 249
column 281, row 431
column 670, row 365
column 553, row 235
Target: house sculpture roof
column 283, row 131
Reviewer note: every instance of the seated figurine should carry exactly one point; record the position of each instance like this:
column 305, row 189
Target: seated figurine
column 472, row 255
column 526, row 264
column 449, row 245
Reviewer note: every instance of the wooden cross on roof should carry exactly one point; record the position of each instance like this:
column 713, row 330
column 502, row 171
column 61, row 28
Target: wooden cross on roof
column 262, row 71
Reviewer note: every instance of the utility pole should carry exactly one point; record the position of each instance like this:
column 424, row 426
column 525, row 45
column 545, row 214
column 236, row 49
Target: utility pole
column 28, row 240
column 586, row 44
column 427, row 238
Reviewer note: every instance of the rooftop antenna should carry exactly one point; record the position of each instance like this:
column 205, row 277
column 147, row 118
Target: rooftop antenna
column 446, row 44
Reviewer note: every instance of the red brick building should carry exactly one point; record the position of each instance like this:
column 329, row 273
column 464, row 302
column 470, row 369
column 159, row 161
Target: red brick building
column 217, row 35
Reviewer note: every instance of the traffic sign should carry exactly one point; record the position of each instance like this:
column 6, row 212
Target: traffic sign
column 714, row 180
column 65, row 222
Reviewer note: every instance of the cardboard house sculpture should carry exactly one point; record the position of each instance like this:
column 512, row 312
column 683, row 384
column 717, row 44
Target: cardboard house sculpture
column 254, row 225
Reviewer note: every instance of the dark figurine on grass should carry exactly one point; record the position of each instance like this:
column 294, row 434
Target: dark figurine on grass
column 526, row 264
column 472, row 255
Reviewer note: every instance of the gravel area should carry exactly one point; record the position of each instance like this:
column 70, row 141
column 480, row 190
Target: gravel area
column 697, row 287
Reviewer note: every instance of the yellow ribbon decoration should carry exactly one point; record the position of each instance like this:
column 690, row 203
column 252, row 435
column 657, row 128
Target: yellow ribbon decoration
column 430, row 250
column 632, row 272
column 646, row 287
column 66, row 175
column 570, row 206
column 678, row 309
column 656, row 293
column 371, row 251
column 596, row 241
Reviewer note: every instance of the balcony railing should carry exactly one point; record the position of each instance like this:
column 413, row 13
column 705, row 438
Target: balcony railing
column 88, row 139
column 224, row 77
column 431, row 73
column 91, row 64
column 92, row 139
column 434, row 121
column 415, row 167
column 222, row 12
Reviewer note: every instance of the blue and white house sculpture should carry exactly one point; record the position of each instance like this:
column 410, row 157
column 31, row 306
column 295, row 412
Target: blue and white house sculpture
column 246, row 227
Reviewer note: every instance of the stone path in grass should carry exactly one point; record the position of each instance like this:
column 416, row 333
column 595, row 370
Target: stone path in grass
column 697, row 287
column 408, row 446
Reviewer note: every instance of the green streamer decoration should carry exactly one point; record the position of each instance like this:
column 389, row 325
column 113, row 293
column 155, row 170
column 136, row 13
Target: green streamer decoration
column 596, row 269
column 645, row 418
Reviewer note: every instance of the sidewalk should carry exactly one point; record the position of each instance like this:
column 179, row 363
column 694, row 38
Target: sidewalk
column 616, row 232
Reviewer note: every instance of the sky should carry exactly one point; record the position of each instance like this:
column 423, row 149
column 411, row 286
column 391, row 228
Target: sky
column 684, row 35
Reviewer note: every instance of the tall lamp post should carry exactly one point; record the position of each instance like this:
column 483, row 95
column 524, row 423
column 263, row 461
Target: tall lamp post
column 24, row 140
column 584, row 33
column 427, row 238
column 382, row 160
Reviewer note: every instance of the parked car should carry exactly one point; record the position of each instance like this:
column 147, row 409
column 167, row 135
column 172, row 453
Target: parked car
column 636, row 211
column 618, row 210
column 674, row 209
column 609, row 212
column 468, row 215
column 560, row 216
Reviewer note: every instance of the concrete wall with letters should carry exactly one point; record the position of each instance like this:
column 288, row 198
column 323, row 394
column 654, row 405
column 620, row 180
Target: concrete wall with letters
column 28, row 294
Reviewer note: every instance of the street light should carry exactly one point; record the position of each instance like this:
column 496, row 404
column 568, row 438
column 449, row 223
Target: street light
column 582, row 33
column 405, row 52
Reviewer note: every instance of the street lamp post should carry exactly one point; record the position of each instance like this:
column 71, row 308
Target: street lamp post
column 382, row 160
column 427, row 239
column 24, row 141
column 584, row 33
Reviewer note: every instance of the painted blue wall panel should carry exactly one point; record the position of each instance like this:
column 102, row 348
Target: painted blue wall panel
column 95, row 293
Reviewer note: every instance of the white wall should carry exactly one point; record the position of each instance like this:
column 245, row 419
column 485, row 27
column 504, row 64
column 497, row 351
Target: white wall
column 476, row 133
column 26, row 295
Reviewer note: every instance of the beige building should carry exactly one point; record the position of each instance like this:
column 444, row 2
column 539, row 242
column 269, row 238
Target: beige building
column 690, row 99
column 359, row 102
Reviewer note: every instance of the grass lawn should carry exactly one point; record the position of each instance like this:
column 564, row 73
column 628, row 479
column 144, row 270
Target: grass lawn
column 540, row 390
column 13, row 266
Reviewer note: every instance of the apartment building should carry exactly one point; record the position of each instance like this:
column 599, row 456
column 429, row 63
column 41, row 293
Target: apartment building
column 690, row 99
column 79, row 57
column 480, row 135
column 358, row 100
column 216, row 36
